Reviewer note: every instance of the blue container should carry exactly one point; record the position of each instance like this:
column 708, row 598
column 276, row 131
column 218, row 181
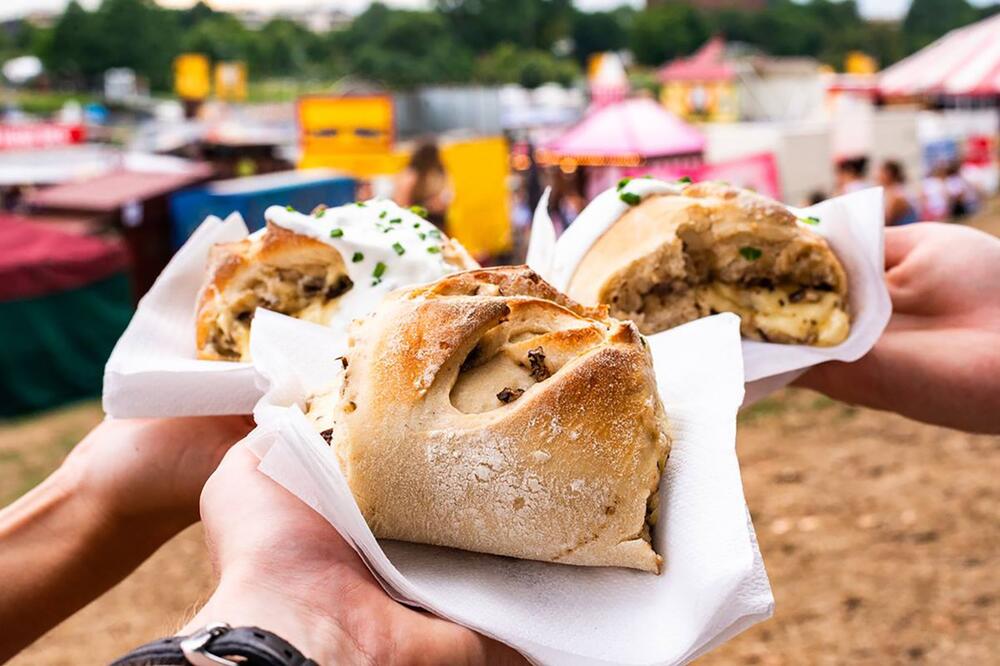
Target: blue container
column 251, row 196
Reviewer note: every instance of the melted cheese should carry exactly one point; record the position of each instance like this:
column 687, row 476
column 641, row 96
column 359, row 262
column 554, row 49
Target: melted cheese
column 821, row 322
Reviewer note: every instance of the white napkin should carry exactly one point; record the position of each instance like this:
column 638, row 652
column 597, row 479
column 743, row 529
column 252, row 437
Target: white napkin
column 853, row 225
column 714, row 584
column 154, row 370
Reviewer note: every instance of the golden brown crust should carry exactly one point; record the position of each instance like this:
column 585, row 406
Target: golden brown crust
column 257, row 271
column 272, row 270
column 490, row 413
column 651, row 264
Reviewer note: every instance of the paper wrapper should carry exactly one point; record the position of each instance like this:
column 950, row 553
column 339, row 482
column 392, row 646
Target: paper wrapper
column 154, row 370
column 713, row 585
column 852, row 224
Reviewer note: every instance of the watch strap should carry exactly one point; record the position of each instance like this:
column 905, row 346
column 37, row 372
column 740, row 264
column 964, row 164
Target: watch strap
column 214, row 645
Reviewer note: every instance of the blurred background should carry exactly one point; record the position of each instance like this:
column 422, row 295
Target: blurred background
column 124, row 123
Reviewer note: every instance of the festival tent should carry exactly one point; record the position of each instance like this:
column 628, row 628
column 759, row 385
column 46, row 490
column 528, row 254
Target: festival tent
column 134, row 202
column 64, row 301
column 706, row 64
column 625, row 133
column 964, row 62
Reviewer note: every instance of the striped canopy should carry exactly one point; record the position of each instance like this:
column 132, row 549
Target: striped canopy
column 966, row 61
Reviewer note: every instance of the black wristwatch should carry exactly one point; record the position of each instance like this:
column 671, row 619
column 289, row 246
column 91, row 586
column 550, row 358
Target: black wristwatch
column 214, row 646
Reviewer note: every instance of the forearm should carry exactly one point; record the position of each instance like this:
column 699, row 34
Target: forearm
column 59, row 551
column 946, row 378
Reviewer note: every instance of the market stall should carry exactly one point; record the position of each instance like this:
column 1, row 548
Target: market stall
column 72, row 293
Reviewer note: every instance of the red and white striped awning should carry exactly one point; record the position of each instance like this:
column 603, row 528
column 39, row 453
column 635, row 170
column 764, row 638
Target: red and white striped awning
column 966, row 61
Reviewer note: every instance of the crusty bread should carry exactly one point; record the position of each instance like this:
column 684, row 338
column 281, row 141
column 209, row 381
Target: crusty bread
column 674, row 258
column 280, row 270
column 489, row 412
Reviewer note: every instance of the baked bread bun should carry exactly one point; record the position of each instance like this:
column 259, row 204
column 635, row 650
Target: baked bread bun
column 332, row 265
column 488, row 412
column 709, row 248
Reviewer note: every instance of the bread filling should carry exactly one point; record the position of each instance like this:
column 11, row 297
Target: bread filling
column 309, row 292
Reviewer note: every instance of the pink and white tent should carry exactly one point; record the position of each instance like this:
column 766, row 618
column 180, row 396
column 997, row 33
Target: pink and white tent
column 625, row 133
column 966, row 61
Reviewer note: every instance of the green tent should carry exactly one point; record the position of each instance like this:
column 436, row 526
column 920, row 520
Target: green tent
column 64, row 301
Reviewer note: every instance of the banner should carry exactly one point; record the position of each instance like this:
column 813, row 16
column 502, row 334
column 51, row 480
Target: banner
column 39, row 135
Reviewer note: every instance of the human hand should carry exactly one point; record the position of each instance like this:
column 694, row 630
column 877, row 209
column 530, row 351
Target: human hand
column 284, row 568
column 123, row 491
column 939, row 359
column 151, row 471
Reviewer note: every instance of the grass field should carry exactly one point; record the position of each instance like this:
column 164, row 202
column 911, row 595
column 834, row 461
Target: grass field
column 881, row 538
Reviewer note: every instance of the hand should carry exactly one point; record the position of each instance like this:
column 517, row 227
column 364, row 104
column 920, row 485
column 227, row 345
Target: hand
column 124, row 490
column 284, row 568
column 939, row 359
column 151, row 471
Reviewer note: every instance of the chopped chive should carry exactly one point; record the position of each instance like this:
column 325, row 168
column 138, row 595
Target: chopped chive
column 290, row 208
column 809, row 219
column 357, row 256
column 336, row 232
column 420, row 211
column 416, row 225
column 422, row 235
column 685, row 179
column 376, row 282
column 395, row 220
column 381, row 215
column 379, row 270
column 751, row 253
column 435, row 233
column 400, row 250
column 622, row 183
column 630, row 198
column 320, row 213
column 434, row 249
column 359, row 204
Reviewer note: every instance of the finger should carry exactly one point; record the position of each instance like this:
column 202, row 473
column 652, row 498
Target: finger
column 899, row 242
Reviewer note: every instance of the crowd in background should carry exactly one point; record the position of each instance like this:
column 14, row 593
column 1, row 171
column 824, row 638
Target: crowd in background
column 944, row 194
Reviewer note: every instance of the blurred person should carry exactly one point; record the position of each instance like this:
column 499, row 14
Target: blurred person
column 283, row 568
column 815, row 197
column 363, row 190
column 899, row 209
column 122, row 492
column 963, row 199
column 934, row 203
column 424, row 183
column 566, row 201
column 938, row 360
column 851, row 175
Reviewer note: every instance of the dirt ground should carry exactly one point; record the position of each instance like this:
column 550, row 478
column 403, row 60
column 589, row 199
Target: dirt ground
column 881, row 537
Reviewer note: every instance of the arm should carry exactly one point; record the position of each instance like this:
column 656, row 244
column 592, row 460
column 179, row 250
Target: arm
column 285, row 569
column 939, row 359
column 127, row 488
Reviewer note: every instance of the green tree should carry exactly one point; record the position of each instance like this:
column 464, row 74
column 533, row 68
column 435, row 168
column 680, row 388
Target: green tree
column 75, row 52
column 666, row 31
column 141, row 35
column 220, row 37
column 929, row 19
column 596, row 32
column 531, row 68
column 405, row 48
column 484, row 24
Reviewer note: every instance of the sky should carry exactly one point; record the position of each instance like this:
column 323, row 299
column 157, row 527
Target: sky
column 881, row 9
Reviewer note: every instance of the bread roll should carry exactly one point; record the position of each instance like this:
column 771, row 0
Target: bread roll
column 672, row 258
column 334, row 264
column 489, row 412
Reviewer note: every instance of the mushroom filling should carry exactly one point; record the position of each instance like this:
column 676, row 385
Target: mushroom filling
column 306, row 292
